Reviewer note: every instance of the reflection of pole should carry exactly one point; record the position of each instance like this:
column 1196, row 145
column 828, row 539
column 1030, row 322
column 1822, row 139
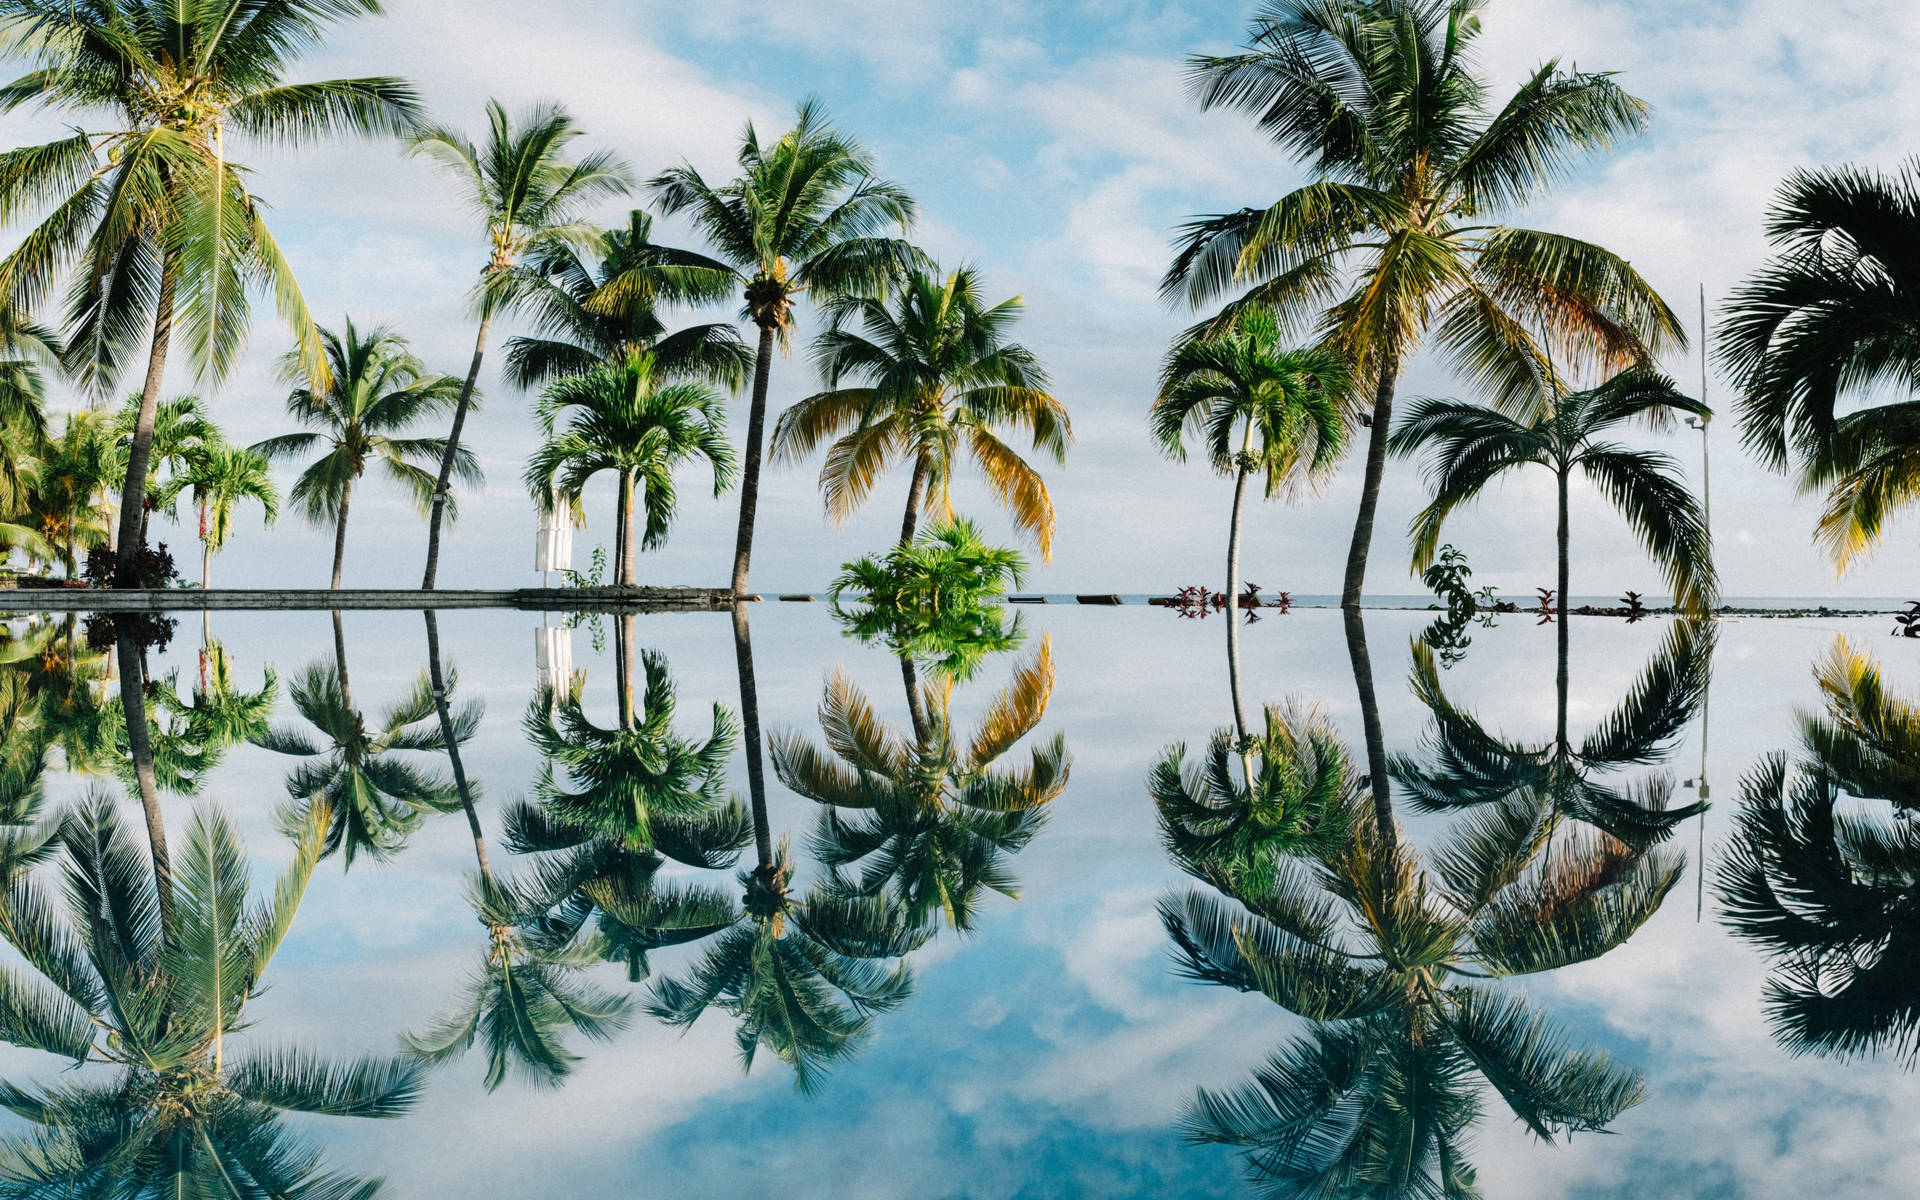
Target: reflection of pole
column 1706, row 695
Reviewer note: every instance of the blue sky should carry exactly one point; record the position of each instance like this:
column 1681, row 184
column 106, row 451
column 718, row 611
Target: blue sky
column 1053, row 145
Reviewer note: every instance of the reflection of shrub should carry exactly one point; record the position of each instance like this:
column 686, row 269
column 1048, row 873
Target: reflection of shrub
column 149, row 631
column 935, row 598
column 152, row 567
column 1448, row 578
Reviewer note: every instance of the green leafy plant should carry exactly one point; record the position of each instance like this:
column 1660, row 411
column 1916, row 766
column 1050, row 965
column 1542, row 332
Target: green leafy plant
column 934, row 598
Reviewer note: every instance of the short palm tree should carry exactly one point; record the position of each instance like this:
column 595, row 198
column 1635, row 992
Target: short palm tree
column 151, row 212
column 219, row 478
column 1831, row 318
column 26, row 351
column 596, row 306
column 625, row 418
column 927, row 819
column 373, row 393
column 1289, row 408
column 805, row 214
column 182, row 430
column 357, row 768
column 153, row 994
column 77, row 471
column 936, row 377
column 1392, row 962
column 1471, row 446
column 1396, row 235
column 527, row 195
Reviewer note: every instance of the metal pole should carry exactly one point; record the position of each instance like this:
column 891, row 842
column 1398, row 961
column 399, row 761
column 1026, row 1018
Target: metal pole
column 1706, row 695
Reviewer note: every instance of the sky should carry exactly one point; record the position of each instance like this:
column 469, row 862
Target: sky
column 1053, row 145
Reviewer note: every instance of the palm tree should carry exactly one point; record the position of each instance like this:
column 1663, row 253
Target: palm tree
column 1395, row 236
column 805, row 214
column 220, row 477
column 584, row 320
column 927, row 819
column 1831, row 317
column 626, row 419
column 26, row 349
column 152, row 214
column 527, row 196
column 182, row 431
column 1868, row 740
column 1531, row 788
column 937, row 375
column 373, row 392
column 526, row 991
column 1293, row 400
column 1390, row 960
column 357, row 768
column 1472, row 446
column 77, row 471
column 1295, row 803
column 153, row 993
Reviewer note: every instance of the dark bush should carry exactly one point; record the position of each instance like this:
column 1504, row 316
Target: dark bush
column 152, row 568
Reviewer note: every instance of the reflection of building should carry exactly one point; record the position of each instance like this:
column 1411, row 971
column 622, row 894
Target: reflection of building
column 553, row 657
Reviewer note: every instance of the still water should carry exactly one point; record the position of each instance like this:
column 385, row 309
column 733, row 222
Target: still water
column 1007, row 1014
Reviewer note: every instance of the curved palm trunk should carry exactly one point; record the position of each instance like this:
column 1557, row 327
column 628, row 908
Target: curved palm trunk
column 451, row 453
column 750, row 734
column 445, row 711
column 627, row 572
column 340, row 532
column 916, row 496
column 133, row 493
column 750, row 462
column 1356, row 577
column 133, row 677
column 916, row 703
column 1560, row 675
column 1377, row 780
column 1233, row 613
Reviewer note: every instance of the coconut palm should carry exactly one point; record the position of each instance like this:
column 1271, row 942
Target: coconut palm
column 150, row 210
column 373, row 392
column 527, row 196
column 805, row 214
column 1868, row 739
column 26, row 350
column 628, row 419
column 1471, row 446
column 358, row 768
column 1532, row 788
column 583, row 321
column 153, row 993
column 927, row 819
column 935, row 377
column 1831, row 318
column 1390, row 960
column 1293, row 804
column 1292, row 401
column 526, row 991
column 1395, row 236
column 219, row 478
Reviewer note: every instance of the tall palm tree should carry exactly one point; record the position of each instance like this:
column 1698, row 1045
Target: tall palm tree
column 358, row 769
column 153, row 994
column 805, row 214
column 1396, row 236
column 374, row 391
column 626, row 418
column 527, row 196
column 927, row 819
column 1292, row 401
column 936, row 377
column 595, row 306
column 1831, row 317
column 1390, row 961
column 219, row 478
column 150, row 211
column 526, row 991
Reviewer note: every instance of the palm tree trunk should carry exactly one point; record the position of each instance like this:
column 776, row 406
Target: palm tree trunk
column 452, row 452
column 750, row 734
column 340, row 659
column 619, row 536
column 453, row 749
column 206, row 564
column 133, row 493
column 627, row 572
column 623, row 631
column 1233, row 613
column 916, row 496
column 750, row 465
column 916, row 703
column 1356, row 578
column 1560, row 676
column 1377, row 778
column 133, row 706
column 340, row 532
